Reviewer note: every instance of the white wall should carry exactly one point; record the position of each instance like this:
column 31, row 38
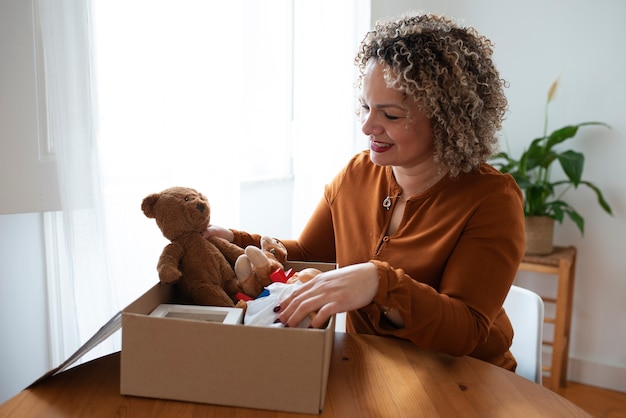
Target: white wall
column 27, row 184
column 580, row 41
column 26, row 153
column 535, row 43
column 23, row 325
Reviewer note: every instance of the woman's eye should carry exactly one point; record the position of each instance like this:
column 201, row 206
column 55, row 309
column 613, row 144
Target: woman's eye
column 391, row 117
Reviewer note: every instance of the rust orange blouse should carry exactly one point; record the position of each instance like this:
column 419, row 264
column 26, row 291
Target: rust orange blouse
column 448, row 267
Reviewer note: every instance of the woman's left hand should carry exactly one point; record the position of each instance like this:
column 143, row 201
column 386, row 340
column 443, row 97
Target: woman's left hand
column 218, row 231
column 329, row 293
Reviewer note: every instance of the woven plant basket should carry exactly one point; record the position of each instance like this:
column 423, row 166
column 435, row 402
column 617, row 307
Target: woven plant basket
column 539, row 235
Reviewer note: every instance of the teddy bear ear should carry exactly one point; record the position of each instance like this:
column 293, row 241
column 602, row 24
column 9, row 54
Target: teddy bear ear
column 147, row 206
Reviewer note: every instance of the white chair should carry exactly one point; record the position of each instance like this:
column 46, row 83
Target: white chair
column 525, row 310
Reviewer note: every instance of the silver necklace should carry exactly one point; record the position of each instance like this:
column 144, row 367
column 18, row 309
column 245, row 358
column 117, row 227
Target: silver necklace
column 387, row 201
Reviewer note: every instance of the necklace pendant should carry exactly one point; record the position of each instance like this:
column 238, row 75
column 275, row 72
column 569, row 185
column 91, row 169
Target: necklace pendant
column 387, row 202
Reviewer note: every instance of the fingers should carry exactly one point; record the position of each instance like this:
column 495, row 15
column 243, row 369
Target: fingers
column 220, row 231
column 295, row 308
column 317, row 299
column 320, row 320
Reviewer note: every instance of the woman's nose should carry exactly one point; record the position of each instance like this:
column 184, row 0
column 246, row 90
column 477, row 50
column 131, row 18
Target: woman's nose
column 369, row 125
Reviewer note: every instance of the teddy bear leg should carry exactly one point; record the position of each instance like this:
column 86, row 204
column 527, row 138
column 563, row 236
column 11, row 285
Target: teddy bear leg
column 210, row 295
column 243, row 267
column 248, row 281
column 251, row 286
column 262, row 265
column 245, row 276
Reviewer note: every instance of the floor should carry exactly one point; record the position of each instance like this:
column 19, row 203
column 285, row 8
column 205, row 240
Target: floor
column 599, row 402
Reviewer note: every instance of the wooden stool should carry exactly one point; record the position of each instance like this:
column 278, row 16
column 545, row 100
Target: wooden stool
column 562, row 263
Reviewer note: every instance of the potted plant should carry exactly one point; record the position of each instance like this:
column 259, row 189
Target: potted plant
column 543, row 197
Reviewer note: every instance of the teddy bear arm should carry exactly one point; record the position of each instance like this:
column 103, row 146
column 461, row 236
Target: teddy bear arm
column 167, row 267
column 230, row 251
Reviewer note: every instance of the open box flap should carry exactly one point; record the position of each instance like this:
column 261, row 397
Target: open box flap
column 108, row 329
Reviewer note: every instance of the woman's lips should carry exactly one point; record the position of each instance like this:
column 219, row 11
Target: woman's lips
column 380, row 146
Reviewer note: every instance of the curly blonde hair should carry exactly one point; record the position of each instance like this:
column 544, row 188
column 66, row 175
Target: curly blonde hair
column 449, row 71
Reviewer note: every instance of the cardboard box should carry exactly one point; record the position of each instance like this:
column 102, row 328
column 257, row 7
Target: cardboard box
column 207, row 361
column 283, row 369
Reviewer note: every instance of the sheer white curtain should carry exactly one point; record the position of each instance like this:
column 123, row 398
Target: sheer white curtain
column 81, row 293
column 192, row 93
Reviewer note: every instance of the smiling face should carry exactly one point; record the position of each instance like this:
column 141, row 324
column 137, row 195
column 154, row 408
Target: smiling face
column 400, row 135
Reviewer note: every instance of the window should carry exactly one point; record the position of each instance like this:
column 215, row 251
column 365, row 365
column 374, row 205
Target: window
column 210, row 95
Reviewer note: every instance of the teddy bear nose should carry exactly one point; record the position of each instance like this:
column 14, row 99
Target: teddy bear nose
column 200, row 207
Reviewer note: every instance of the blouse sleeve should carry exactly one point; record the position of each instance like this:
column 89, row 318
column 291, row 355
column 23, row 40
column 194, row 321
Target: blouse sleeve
column 317, row 240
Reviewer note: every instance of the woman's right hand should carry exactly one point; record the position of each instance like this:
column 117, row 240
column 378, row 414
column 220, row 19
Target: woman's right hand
column 218, row 231
column 341, row 290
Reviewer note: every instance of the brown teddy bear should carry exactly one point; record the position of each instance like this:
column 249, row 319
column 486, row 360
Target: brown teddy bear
column 261, row 263
column 201, row 268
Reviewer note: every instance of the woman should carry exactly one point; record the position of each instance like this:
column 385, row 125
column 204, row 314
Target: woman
column 427, row 236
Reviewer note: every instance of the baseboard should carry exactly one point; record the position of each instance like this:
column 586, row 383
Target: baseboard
column 606, row 376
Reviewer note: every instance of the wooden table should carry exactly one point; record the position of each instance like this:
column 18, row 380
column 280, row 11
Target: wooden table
column 369, row 377
column 561, row 263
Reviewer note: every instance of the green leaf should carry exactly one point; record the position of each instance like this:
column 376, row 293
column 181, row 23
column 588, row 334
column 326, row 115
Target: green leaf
column 557, row 213
column 558, row 208
column 537, row 156
column 567, row 132
column 503, row 162
column 572, row 163
column 561, row 135
column 502, row 155
column 578, row 220
column 535, row 198
column 603, row 203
